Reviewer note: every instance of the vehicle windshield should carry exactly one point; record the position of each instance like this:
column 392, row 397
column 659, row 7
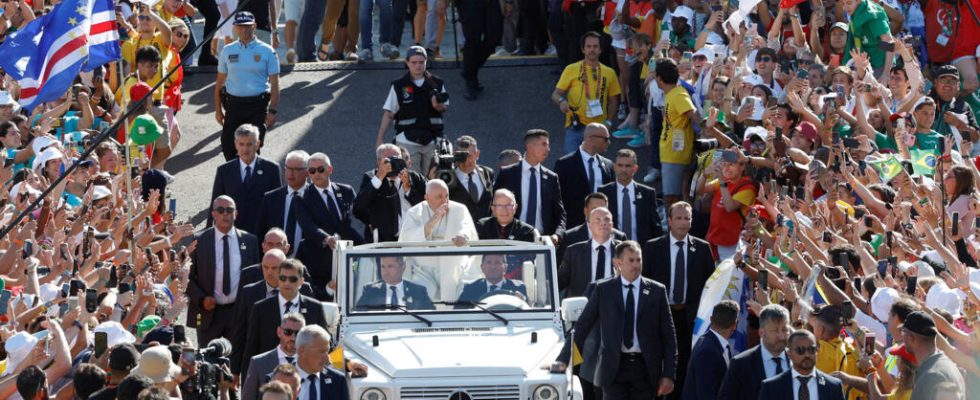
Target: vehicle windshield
column 500, row 281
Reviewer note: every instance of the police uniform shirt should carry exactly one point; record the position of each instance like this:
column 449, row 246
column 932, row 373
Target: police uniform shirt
column 248, row 67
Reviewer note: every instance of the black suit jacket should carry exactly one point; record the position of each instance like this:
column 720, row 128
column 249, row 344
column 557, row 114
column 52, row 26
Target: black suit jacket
column 250, row 294
column 780, row 387
column 475, row 290
column 654, row 329
column 744, row 377
column 204, row 267
column 550, row 203
column 459, row 193
column 577, row 234
column 700, row 265
column 271, row 214
column 228, row 181
column 706, row 368
column 318, row 223
column 488, row 228
column 374, row 293
column 253, row 274
column 266, row 316
column 379, row 208
column 575, row 272
column 574, row 181
column 644, row 206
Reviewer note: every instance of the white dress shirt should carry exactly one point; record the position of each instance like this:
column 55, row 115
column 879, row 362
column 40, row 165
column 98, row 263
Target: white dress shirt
column 304, row 384
column 631, row 189
column 525, row 186
column 242, row 165
column 269, row 289
column 399, row 291
column 290, row 196
column 402, row 193
column 810, row 384
column 673, row 265
column 595, row 257
column 499, row 285
column 330, row 197
column 596, row 170
column 464, row 180
column 725, row 346
column 283, row 355
column 636, row 308
column 235, row 260
column 294, row 307
column 770, row 365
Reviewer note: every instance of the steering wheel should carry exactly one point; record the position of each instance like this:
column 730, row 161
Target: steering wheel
column 504, row 300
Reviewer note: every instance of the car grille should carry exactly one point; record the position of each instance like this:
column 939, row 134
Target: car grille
column 488, row 392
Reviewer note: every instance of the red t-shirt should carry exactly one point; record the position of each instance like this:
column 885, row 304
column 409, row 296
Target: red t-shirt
column 726, row 226
column 956, row 24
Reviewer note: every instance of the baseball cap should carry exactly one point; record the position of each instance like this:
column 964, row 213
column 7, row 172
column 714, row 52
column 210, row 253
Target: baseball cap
column 145, row 130
column 123, row 357
column 881, row 302
column 139, row 91
column 416, row 51
column 7, row 99
column 839, row 25
column 808, row 130
column 949, row 70
column 161, row 334
column 244, row 18
column 147, row 324
column 100, row 192
column 18, row 347
column 919, row 323
column 828, row 314
column 903, row 353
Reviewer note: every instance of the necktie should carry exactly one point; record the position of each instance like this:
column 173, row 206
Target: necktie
column 591, row 163
column 291, row 220
column 630, row 316
column 225, row 266
column 272, row 292
column 532, row 198
column 679, row 275
column 313, row 378
column 394, row 295
column 493, row 288
column 289, row 305
column 248, row 174
column 804, row 393
column 779, row 365
column 600, row 263
column 627, row 222
column 290, row 359
column 471, row 187
column 331, row 206
column 728, row 349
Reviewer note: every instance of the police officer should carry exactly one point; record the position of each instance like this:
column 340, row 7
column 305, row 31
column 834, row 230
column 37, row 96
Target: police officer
column 416, row 102
column 248, row 84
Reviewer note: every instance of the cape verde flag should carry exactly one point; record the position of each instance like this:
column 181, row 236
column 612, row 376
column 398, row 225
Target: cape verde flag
column 47, row 55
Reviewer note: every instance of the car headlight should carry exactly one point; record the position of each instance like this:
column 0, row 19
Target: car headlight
column 545, row 392
column 373, row 394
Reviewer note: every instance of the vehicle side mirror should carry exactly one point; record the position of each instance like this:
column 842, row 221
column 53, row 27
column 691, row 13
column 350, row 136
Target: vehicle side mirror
column 571, row 309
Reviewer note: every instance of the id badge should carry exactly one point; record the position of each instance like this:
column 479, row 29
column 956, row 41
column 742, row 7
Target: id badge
column 942, row 40
column 677, row 140
column 593, row 109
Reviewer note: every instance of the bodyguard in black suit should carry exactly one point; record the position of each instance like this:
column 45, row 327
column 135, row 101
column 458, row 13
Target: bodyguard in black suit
column 216, row 265
column 393, row 290
column 381, row 200
column 683, row 264
column 803, row 381
column 637, row 353
column 711, row 355
column 246, row 179
column 326, row 212
column 278, row 209
column 536, row 187
column 267, row 314
column 260, row 367
column 584, row 170
column 317, row 380
column 581, row 232
column 591, row 260
column 473, row 186
column 493, row 266
column 633, row 204
column 748, row 369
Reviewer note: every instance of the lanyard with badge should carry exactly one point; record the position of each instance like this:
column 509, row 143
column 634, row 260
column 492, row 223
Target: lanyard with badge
column 593, row 107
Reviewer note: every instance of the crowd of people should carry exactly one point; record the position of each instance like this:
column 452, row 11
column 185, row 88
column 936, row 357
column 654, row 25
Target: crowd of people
column 822, row 156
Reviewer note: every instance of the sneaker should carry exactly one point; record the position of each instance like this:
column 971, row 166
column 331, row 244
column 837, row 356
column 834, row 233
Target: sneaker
column 638, row 141
column 385, row 50
column 652, row 175
column 626, row 133
column 365, row 55
column 352, row 57
column 291, row 56
column 622, row 112
column 502, row 53
column 552, row 51
column 393, row 53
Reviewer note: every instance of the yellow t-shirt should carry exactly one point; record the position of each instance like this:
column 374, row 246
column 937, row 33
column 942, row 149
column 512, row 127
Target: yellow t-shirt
column 838, row 355
column 601, row 85
column 122, row 95
column 134, row 43
column 677, row 137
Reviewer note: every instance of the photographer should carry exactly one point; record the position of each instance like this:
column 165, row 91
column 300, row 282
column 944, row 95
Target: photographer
column 386, row 193
column 415, row 102
column 204, row 373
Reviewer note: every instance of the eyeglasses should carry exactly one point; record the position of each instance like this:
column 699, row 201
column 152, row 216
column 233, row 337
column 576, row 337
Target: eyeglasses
column 181, row 34
column 290, row 279
column 504, row 206
column 289, row 332
column 224, row 210
column 143, row 17
column 765, row 59
column 317, row 170
column 295, row 169
column 803, row 350
column 949, row 81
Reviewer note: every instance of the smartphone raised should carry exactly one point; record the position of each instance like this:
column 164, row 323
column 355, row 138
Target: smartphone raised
column 763, row 280
column 847, row 310
column 955, row 229
column 101, row 343
column 4, row 301
column 729, row 156
column 173, row 206
column 886, row 46
column 28, row 249
column 180, row 334
column 800, row 193
column 850, row 143
column 911, row 283
column 869, row 343
column 91, row 300
column 65, row 287
column 773, row 186
column 882, row 268
column 826, row 237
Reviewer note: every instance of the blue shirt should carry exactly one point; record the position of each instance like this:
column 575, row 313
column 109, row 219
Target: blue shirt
column 248, row 67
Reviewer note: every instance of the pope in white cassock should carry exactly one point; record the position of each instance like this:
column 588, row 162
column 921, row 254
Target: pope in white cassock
column 437, row 219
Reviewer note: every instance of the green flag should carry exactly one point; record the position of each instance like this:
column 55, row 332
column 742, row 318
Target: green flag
column 923, row 161
column 887, row 168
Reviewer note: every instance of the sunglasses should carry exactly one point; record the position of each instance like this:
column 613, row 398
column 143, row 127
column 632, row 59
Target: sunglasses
column 224, row 210
column 803, row 350
column 143, row 17
column 317, row 170
column 602, row 138
column 181, row 34
column 289, row 332
column 765, row 58
column 290, row 279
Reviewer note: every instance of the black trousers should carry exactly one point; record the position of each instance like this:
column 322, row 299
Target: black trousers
column 221, row 324
column 632, row 381
column 534, row 26
column 682, row 330
column 208, row 8
column 581, row 18
column 240, row 111
column 589, row 391
column 483, row 24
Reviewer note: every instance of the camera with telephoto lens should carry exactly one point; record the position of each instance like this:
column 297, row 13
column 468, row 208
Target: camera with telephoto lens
column 397, row 166
column 447, row 163
column 441, row 97
column 703, row 145
column 205, row 383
